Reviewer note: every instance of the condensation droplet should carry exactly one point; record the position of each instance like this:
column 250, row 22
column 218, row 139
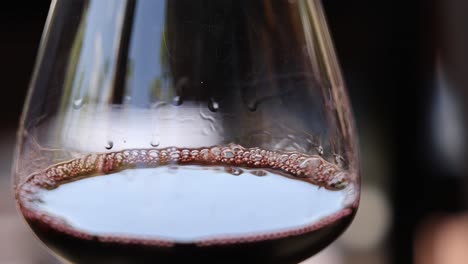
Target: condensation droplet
column 78, row 103
column 213, row 105
column 177, row 100
column 127, row 98
column 109, row 145
column 233, row 170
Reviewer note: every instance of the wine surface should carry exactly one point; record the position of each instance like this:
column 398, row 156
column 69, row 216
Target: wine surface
column 208, row 204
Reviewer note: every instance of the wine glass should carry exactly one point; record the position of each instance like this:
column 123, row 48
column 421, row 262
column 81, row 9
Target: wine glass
column 170, row 131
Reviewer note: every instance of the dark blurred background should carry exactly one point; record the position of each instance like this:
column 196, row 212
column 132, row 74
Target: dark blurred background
column 395, row 56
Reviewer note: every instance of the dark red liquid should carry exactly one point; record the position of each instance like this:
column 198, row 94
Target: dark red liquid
column 107, row 208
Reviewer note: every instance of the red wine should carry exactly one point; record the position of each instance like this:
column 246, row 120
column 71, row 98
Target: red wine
column 228, row 204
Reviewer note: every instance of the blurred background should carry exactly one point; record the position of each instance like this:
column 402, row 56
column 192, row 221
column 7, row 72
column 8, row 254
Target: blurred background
column 404, row 63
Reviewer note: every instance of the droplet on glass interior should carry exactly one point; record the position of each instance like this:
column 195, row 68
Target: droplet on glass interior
column 252, row 106
column 177, row 100
column 127, row 98
column 155, row 142
column 109, row 145
column 213, row 105
column 78, row 103
column 319, row 150
column 233, row 170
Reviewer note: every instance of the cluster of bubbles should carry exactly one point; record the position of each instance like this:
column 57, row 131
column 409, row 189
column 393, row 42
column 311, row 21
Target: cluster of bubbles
column 310, row 168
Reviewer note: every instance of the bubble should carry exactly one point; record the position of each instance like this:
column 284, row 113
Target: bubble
column 213, row 105
column 185, row 153
column 293, row 157
column 314, row 169
column 310, row 163
column 153, row 153
column 236, row 149
column 175, row 155
column 256, row 157
column 78, row 103
column 216, row 151
column 338, row 181
column 227, row 153
column 177, row 100
column 233, row 170
column 283, row 158
column 204, row 153
column 109, row 144
column 259, row 173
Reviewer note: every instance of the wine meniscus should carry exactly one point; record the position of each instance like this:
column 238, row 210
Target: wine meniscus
column 203, row 204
